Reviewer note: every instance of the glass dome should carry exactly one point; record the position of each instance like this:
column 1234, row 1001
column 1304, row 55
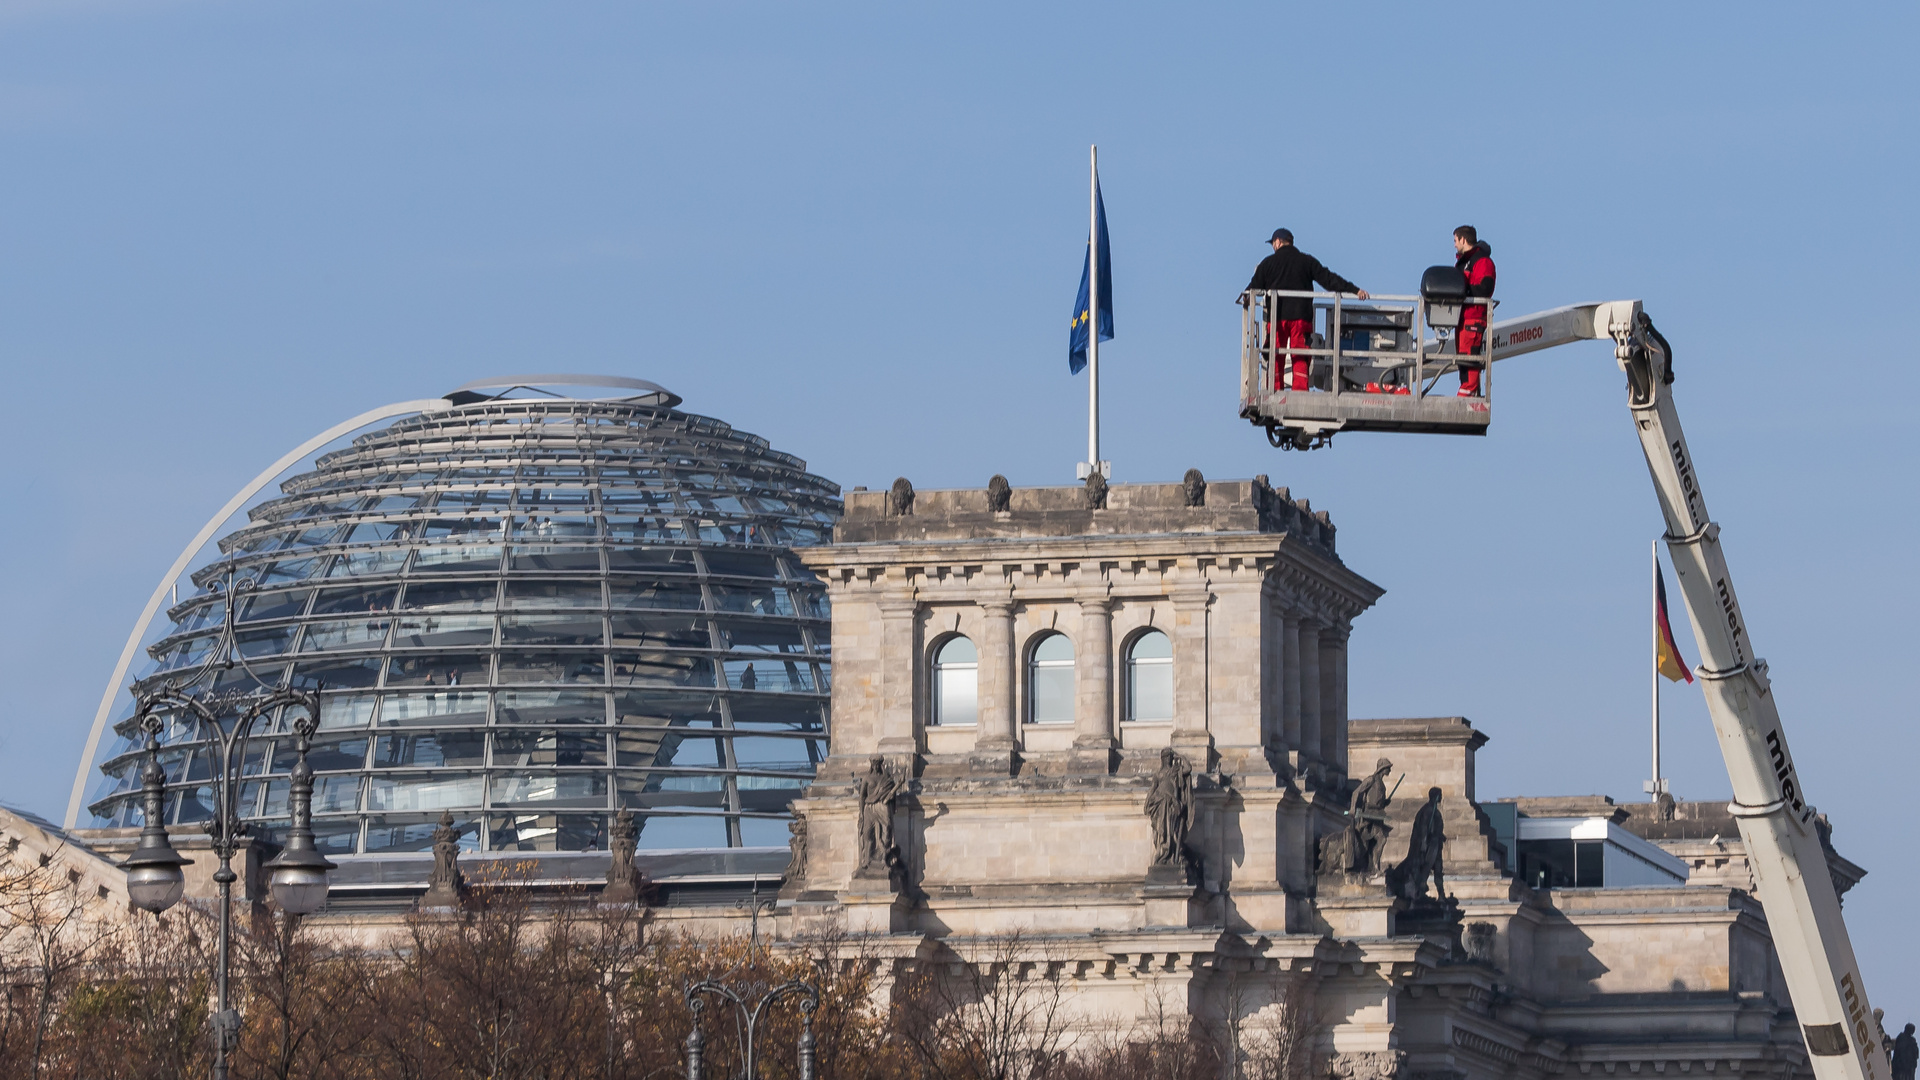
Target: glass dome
column 530, row 612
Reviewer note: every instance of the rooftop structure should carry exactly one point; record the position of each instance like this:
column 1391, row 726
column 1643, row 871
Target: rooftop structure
column 525, row 607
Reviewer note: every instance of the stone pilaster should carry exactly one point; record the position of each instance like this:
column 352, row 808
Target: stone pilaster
column 995, row 743
column 1289, row 676
column 1093, row 741
column 899, row 673
column 1333, row 696
column 1190, row 662
column 1309, row 667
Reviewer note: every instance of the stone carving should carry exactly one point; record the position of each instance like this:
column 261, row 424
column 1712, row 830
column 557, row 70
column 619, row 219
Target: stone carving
column 1170, row 808
column 1479, row 942
column 1426, row 849
column 876, row 789
column 1194, row 487
column 1663, row 807
column 1367, row 1065
column 797, row 845
column 443, row 884
column 999, row 494
column 900, row 498
column 1356, row 848
column 1096, row 491
column 625, row 883
column 1906, row 1054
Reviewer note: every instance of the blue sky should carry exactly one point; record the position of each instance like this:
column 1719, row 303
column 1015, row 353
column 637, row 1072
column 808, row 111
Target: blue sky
column 855, row 230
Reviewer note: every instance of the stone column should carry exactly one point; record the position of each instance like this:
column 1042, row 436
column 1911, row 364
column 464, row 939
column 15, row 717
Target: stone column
column 1309, row 667
column 994, row 743
column 900, row 665
column 1289, row 681
column 1333, row 696
column 1190, row 734
column 1093, row 741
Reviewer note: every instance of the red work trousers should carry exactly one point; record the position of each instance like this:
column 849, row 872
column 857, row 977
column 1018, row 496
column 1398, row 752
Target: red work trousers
column 1471, row 339
column 1291, row 334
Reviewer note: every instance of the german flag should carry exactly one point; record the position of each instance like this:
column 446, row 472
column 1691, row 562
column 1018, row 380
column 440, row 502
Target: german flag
column 1666, row 654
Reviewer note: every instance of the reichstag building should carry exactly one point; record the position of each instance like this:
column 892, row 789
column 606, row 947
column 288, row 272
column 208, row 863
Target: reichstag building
column 525, row 609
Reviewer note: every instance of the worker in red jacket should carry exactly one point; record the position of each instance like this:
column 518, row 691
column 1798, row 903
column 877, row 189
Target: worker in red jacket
column 1293, row 270
column 1474, row 258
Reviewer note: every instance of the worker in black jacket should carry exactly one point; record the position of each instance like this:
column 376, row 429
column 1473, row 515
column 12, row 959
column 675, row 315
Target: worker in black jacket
column 1293, row 270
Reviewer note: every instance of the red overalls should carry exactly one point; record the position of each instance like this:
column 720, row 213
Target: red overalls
column 1477, row 264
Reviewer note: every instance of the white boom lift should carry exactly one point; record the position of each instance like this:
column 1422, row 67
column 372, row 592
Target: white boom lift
column 1776, row 821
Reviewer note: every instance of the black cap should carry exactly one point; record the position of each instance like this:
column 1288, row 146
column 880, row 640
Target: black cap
column 1281, row 234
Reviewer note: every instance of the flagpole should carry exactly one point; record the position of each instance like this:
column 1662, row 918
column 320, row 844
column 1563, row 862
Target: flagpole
column 1093, row 308
column 1654, row 592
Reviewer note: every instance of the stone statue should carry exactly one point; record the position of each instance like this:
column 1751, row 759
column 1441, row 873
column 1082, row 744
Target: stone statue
column 625, row 883
column 1194, row 487
column 900, row 498
column 443, row 884
column 999, row 494
column 796, row 872
column 1906, row 1054
column 1096, row 491
column 1426, row 849
column 876, row 790
column 1356, row 848
column 1480, row 937
column 1170, row 808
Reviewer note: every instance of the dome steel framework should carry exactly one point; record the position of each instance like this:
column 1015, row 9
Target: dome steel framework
column 528, row 611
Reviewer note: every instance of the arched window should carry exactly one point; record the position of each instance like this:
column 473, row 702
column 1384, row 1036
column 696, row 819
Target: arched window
column 1150, row 678
column 1050, row 690
column 956, row 682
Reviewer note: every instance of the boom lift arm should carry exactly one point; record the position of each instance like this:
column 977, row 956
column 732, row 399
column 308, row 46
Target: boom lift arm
column 1776, row 822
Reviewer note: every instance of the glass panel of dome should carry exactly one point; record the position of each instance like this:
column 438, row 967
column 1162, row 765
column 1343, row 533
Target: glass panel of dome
column 328, row 754
column 489, row 499
column 768, row 832
column 546, row 832
column 269, row 605
column 740, row 564
column 632, row 594
column 661, row 669
column 751, row 600
column 552, row 707
column 524, row 595
column 456, row 559
column 660, row 631
column 442, row 631
column 396, row 833
column 430, row 750
column 432, row 791
column 772, row 754
column 337, row 837
column 760, row 635
column 445, row 709
column 450, row 596
column 769, row 794
column 537, row 558
column 373, row 563
column 264, row 642
column 645, row 529
column 552, row 630
column 354, row 599
column 289, row 570
column 346, row 710
column 552, row 667
column 537, row 747
column 360, row 633
column 438, row 669
column 580, row 790
column 196, row 804
column 638, row 746
column 663, row 832
column 664, row 707
column 373, row 532
column 768, row 676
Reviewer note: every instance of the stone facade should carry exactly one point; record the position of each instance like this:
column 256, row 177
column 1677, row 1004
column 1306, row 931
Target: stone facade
column 932, row 835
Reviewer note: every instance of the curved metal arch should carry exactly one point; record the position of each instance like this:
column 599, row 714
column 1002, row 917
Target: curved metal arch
column 132, row 647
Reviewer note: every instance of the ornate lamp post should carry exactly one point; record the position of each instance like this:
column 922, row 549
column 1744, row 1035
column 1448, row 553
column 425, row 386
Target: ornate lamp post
column 746, row 1022
column 297, row 876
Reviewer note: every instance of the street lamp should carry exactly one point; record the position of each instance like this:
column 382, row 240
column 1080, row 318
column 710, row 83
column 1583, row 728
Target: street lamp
column 747, row 1016
column 298, row 875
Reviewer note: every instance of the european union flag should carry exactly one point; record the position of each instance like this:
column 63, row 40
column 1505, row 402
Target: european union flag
column 1077, row 341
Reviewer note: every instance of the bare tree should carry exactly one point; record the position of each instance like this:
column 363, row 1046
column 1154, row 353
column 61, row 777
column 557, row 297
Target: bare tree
column 52, row 925
column 991, row 1012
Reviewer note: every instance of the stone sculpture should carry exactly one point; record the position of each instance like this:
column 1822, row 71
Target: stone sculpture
column 1479, row 941
column 1194, row 487
column 1356, row 848
column 876, row 790
column 443, row 884
column 1426, row 848
column 1096, row 491
column 797, row 847
column 999, row 494
column 625, row 883
column 900, row 498
column 1367, row 1065
column 1170, row 808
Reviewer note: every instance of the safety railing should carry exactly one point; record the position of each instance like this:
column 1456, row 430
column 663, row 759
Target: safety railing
column 1375, row 346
